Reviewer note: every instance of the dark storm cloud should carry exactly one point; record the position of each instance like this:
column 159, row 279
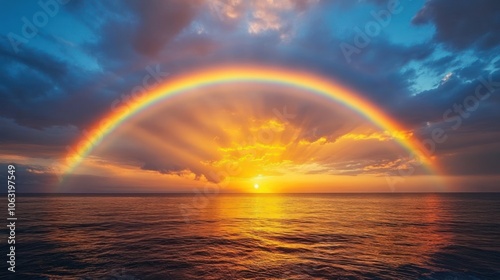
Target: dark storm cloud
column 29, row 66
column 439, row 66
column 456, row 90
column 164, row 168
column 446, row 105
column 117, row 34
column 473, row 70
column 115, row 45
column 53, row 136
column 40, row 179
column 36, row 82
column 30, row 81
column 133, row 33
column 160, row 21
column 33, row 179
column 476, row 160
column 470, row 142
column 375, row 72
column 39, row 62
column 463, row 24
column 383, row 56
column 497, row 64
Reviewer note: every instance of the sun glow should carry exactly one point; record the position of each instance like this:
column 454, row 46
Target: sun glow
column 257, row 180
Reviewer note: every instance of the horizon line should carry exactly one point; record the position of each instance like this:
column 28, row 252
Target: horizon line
column 249, row 193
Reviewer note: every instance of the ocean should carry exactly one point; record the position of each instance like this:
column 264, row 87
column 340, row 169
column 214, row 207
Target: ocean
column 257, row 236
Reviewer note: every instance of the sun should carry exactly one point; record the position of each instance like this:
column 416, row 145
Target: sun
column 257, row 180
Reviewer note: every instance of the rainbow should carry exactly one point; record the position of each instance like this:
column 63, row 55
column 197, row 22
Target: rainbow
column 246, row 73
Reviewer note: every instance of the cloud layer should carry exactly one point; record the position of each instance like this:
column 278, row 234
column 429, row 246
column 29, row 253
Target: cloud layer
column 423, row 66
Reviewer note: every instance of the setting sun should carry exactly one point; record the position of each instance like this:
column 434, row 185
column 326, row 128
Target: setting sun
column 256, row 186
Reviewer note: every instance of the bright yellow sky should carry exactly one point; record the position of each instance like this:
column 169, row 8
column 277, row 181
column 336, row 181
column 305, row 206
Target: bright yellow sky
column 262, row 141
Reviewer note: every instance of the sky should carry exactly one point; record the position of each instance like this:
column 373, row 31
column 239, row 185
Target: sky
column 431, row 65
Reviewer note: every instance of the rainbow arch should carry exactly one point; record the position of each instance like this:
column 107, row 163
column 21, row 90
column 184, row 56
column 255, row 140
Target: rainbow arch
column 246, row 73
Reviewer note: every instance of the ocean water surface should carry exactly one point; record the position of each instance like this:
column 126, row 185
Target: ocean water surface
column 258, row 236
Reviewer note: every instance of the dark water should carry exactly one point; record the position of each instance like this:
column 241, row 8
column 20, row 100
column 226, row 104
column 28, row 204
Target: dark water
column 338, row 236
